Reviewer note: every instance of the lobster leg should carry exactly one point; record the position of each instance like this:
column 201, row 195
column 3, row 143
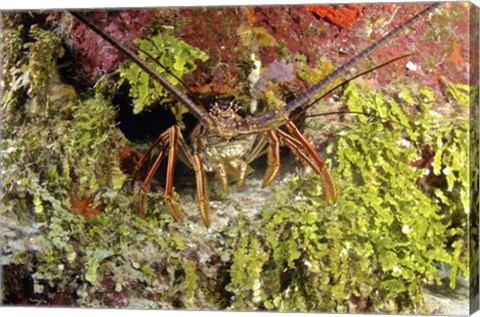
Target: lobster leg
column 201, row 189
column 273, row 153
column 146, row 183
column 172, row 205
column 222, row 175
column 256, row 151
column 196, row 162
column 167, row 139
column 161, row 140
column 242, row 170
column 296, row 143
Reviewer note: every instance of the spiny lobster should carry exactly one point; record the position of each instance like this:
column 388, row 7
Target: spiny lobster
column 223, row 141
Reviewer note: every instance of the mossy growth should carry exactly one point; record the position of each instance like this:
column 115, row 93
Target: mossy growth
column 391, row 227
column 371, row 251
column 60, row 151
column 172, row 54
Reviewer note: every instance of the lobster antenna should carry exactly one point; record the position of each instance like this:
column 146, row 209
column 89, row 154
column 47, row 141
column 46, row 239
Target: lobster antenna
column 294, row 117
column 321, row 114
column 198, row 112
column 307, row 98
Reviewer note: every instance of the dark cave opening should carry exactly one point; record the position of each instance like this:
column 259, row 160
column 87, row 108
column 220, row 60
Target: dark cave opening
column 147, row 125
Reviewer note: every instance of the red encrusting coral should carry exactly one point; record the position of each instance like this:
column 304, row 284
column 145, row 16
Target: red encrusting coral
column 96, row 57
column 342, row 16
column 456, row 55
column 85, row 207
